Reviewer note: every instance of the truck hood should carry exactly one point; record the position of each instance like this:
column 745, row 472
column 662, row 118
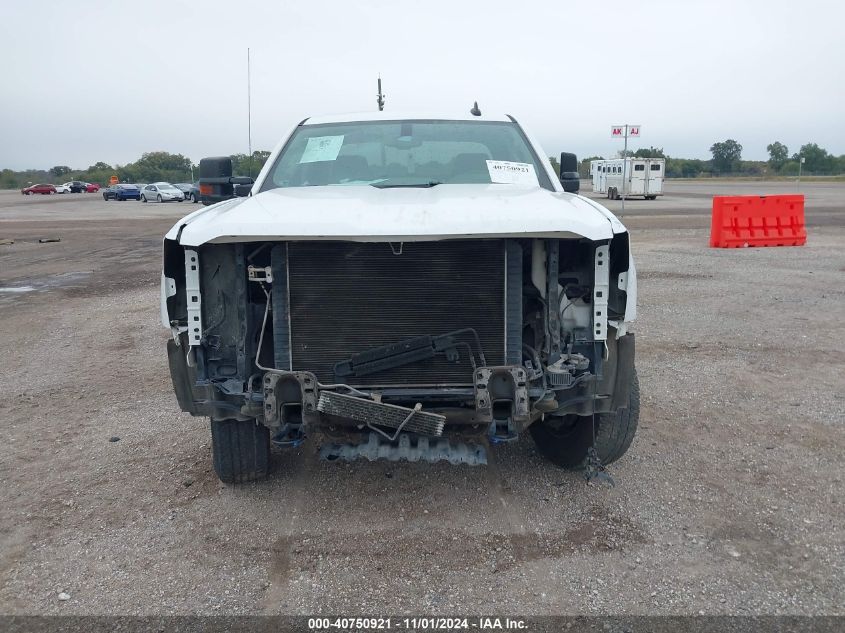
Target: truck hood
column 367, row 214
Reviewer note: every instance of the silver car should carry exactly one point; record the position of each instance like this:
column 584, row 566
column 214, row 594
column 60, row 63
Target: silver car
column 161, row 192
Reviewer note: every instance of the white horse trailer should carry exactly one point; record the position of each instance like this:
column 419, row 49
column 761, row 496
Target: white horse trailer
column 629, row 177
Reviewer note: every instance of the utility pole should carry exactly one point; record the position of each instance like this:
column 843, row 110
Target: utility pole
column 249, row 112
column 380, row 97
column 800, row 162
column 624, row 169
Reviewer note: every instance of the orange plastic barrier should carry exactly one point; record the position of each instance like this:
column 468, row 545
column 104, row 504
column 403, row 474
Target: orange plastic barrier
column 758, row 221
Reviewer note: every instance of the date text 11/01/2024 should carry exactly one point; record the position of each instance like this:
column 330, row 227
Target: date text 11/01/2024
column 416, row 624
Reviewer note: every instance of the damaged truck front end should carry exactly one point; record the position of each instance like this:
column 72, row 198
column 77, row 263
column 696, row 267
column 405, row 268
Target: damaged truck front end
column 417, row 289
column 417, row 350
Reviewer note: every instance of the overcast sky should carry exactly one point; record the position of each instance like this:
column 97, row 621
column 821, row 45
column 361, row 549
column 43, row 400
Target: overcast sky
column 108, row 80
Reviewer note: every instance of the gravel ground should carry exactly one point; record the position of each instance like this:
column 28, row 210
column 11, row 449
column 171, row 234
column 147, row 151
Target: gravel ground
column 730, row 500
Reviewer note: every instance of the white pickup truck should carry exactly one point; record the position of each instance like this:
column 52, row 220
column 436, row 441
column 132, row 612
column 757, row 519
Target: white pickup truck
column 412, row 286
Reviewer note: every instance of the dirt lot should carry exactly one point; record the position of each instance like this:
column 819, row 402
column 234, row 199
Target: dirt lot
column 729, row 502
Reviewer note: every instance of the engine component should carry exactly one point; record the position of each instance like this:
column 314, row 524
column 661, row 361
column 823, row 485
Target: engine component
column 346, row 298
column 563, row 373
column 410, row 351
column 370, row 412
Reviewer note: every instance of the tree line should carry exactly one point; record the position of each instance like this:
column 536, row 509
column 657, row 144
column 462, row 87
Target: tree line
column 727, row 161
column 151, row 167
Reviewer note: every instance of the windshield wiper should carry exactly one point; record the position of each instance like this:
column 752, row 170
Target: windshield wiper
column 419, row 185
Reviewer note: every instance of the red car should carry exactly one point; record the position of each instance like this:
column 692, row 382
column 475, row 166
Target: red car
column 92, row 187
column 43, row 189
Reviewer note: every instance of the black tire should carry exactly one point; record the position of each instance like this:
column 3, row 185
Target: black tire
column 105, row 197
column 143, row 198
column 241, row 450
column 158, row 198
column 194, row 198
column 565, row 440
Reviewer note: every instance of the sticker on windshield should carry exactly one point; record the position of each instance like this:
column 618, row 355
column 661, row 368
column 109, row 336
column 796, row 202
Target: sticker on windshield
column 507, row 172
column 321, row 148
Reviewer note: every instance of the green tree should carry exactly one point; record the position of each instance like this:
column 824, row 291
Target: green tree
column 778, row 155
column 8, row 179
column 651, row 152
column 684, row 167
column 555, row 165
column 726, row 155
column 60, row 170
column 241, row 165
column 816, row 159
column 157, row 166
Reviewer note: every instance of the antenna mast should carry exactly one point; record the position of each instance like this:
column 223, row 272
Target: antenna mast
column 380, row 99
column 249, row 112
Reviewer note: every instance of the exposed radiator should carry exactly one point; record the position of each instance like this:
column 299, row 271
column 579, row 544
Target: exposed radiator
column 344, row 298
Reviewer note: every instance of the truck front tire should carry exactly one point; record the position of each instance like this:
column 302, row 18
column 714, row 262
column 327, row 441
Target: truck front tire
column 241, row 450
column 565, row 440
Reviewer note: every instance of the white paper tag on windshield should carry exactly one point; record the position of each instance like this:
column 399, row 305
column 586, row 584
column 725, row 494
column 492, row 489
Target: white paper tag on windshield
column 321, row 148
column 505, row 171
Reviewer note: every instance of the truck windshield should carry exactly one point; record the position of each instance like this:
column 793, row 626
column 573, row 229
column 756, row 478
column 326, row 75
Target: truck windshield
column 419, row 153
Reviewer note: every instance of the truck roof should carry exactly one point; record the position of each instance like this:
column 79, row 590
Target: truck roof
column 400, row 115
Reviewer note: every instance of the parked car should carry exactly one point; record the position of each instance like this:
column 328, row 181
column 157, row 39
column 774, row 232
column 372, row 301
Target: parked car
column 40, row 188
column 76, row 186
column 62, row 189
column 424, row 311
column 191, row 190
column 91, row 187
column 122, row 192
column 161, row 192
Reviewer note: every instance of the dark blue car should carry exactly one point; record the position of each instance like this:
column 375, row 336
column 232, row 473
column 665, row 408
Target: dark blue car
column 122, row 192
column 191, row 190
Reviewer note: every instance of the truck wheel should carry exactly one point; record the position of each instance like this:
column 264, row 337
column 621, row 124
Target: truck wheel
column 241, row 450
column 565, row 440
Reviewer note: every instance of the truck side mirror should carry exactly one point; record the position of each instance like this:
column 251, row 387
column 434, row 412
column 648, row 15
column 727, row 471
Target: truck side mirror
column 217, row 182
column 569, row 177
